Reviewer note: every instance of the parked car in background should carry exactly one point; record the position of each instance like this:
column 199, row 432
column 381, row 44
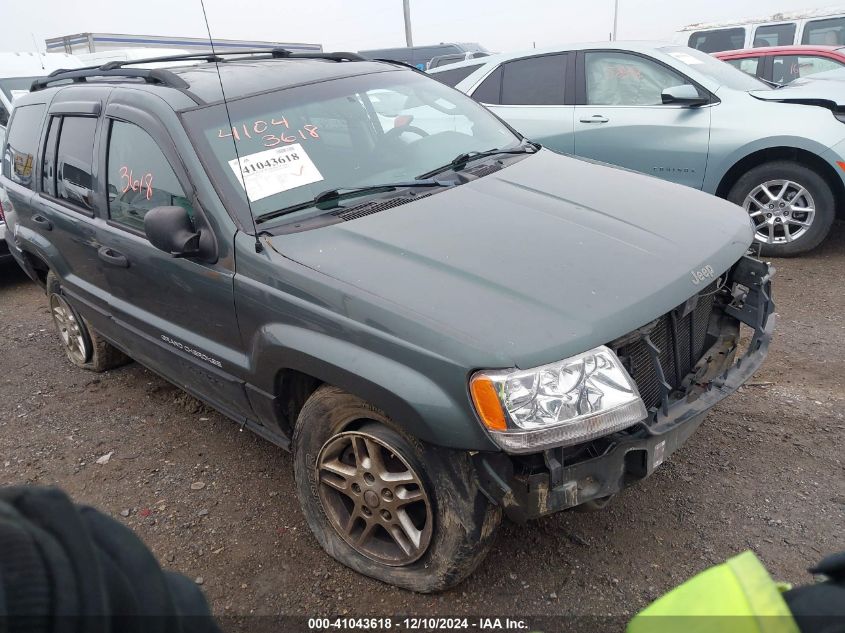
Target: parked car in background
column 682, row 115
column 445, row 60
column 19, row 70
column 443, row 321
column 420, row 56
column 825, row 27
column 785, row 64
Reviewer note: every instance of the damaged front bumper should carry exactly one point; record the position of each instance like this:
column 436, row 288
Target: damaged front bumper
column 558, row 479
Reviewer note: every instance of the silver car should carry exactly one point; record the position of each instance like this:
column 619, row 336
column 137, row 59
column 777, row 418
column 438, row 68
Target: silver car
column 679, row 114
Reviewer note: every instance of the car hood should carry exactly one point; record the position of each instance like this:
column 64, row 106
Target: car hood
column 544, row 259
column 823, row 89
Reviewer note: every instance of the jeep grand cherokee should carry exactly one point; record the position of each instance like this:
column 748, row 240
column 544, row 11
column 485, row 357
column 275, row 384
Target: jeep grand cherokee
column 444, row 322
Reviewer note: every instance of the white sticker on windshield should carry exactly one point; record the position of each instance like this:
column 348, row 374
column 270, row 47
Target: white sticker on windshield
column 18, row 93
column 267, row 173
column 686, row 58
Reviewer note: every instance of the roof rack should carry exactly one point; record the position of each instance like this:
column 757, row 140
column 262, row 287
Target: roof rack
column 165, row 77
column 79, row 75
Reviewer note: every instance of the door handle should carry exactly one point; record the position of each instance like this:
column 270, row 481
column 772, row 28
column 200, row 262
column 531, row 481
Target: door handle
column 112, row 257
column 42, row 222
column 596, row 118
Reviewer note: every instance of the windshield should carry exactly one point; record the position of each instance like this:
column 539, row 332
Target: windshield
column 352, row 132
column 16, row 86
column 716, row 69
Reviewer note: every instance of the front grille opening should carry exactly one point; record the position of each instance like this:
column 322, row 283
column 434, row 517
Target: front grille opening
column 680, row 338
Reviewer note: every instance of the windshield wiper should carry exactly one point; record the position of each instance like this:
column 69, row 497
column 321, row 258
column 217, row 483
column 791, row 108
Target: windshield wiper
column 341, row 193
column 462, row 160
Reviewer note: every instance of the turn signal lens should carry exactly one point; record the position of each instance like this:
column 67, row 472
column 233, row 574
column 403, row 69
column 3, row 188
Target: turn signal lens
column 487, row 403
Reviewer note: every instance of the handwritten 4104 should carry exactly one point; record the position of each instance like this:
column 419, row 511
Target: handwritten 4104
column 272, row 133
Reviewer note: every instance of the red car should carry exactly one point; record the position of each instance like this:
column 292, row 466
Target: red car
column 783, row 64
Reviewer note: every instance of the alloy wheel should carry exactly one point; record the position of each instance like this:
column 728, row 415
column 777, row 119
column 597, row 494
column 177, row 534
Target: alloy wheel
column 782, row 211
column 69, row 329
column 374, row 499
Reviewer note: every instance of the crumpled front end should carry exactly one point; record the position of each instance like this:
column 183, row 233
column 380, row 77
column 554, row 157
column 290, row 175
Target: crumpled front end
column 683, row 363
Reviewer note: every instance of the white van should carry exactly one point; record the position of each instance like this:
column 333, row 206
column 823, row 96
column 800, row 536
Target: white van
column 824, row 27
column 18, row 70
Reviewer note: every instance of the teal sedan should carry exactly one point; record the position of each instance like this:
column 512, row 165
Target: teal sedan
column 684, row 116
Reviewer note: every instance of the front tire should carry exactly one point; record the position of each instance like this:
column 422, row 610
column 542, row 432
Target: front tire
column 83, row 346
column 385, row 504
column 791, row 207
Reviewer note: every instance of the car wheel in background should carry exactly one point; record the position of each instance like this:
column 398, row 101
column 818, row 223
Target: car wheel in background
column 83, row 345
column 384, row 503
column 791, row 207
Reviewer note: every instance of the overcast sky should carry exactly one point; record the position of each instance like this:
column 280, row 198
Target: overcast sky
column 345, row 25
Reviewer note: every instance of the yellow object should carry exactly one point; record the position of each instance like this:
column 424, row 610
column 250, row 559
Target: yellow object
column 737, row 596
column 487, row 403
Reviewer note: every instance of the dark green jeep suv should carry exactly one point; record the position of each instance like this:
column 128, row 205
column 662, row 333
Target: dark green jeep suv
column 443, row 321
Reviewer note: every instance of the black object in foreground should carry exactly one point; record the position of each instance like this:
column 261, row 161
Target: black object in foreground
column 65, row 567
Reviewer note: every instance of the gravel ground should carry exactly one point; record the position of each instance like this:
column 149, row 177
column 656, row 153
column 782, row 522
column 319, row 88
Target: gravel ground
column 765, row 472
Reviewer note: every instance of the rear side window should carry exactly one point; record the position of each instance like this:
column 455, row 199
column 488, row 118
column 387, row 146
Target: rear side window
column 74, row 182
column 139, row 177
column 775, row 35
column 22, row 144
column 490, row 90
column 534, row 81
column 718, row 40
column 830, row 32
column 456, row 75
column 747, row 65
column 787, row 68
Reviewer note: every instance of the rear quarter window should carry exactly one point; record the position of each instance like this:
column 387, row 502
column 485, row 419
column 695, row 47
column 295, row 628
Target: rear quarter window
column 490, row 90
column 456, row 75
column 22, row 144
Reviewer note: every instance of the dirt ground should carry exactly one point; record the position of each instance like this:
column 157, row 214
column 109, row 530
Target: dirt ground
column 765, row 472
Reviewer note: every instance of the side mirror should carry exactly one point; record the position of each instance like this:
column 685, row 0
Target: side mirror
column 170, row 229
column 686, row 95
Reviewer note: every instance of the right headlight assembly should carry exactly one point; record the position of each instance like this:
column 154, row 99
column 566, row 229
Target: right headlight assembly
column 572, row 401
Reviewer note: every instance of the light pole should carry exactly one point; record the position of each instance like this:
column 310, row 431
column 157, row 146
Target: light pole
column 615, row 17
column 406, row 7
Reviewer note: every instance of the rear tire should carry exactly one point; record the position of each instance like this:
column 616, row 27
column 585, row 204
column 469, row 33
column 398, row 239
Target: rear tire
column 454, row 522
column 774, row 195
column 83, row 346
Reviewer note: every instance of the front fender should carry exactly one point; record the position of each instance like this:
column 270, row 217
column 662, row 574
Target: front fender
column 721, row 162
column 428, row 410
